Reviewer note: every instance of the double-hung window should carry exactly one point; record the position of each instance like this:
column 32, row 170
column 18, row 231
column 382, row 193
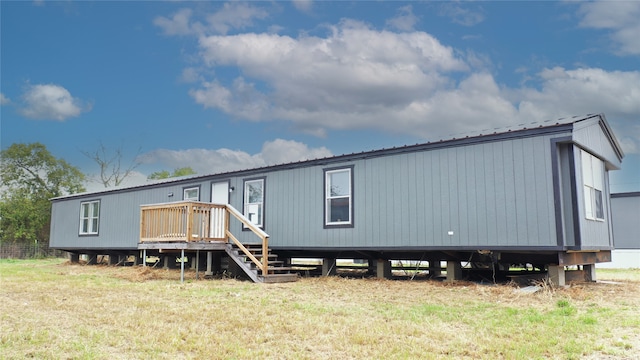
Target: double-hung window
column 593, row 185
column 338, row 195
column 89, row 217
column 254, row 201
column 191, row 194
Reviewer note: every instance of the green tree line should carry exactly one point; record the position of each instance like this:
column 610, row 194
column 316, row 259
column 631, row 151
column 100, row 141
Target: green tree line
column 30, row 176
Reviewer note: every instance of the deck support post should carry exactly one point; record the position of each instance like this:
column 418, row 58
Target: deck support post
column 197, row 263
column 182, row 266
column 328, row 266
column 454, row 270
column 144, row 258
column 209, row 263
column 556, row 275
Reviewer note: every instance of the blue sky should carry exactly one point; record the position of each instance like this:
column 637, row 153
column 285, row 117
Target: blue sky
column 221, row 86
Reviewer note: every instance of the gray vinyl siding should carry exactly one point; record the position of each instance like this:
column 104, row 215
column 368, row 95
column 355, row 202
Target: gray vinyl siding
column 496, row 194
column 593, row 233
column 566, row 194
column 119, row 226
column 625, row 210
column 590, row 136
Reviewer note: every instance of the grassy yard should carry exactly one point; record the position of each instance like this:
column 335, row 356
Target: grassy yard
column 50, row 309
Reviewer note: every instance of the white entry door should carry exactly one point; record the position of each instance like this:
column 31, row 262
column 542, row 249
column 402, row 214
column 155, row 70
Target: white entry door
column 219, row 195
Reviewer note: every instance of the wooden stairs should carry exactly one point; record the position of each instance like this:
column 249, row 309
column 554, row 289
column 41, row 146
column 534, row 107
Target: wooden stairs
column 277, row 271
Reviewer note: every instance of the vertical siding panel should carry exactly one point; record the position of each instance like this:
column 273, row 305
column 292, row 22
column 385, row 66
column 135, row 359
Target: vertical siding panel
column 415, row 194
column 543, row 189
column 401, row 200
column 529, row 155
column 490, row 193
column 549, row 195
column 392, row 231
column 472, row 183
column 481, row 208
column 445, row 199
column 454, row 197
column 361, row 197
column 437, row 196
column 462, row 194
column 372, row 208
column 426, row 204
column 506, row 201
column 420, row 215
column 288, row 220
column 408, row 184
column 520, row 195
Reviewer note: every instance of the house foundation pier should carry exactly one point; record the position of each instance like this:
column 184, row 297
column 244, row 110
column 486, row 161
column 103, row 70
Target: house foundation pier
column 454, row 270
column 329, row 266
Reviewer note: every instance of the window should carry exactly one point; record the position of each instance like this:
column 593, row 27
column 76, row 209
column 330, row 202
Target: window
column 191, row 194
column 254, row 201
column 89, row 217
column 593, row 182
column 338, row 197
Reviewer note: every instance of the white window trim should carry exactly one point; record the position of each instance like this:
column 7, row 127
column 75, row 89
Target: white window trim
column 328, row 197
column 184, row 193
column 246, row 203
column 592, row 181
column 91, row 216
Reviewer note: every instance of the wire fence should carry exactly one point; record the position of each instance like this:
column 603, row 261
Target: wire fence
column 28, row 251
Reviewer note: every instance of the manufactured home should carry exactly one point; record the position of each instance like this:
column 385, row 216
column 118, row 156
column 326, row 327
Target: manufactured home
column 534, row 194
column 625, row 213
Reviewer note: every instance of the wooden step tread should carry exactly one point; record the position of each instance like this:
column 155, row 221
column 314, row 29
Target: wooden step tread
column 250, row 245
column 279, row 278
column 279, row 268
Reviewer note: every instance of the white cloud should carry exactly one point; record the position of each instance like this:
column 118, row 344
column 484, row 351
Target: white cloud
column 580, row 91
column 189, row 75
column 4, row 100
column 209, row 161
column 234, row 15
column 51, row 102
column 587, row 90
column 357, row 77
column 303, row 5
column 405, row 20
column 282, row 151
column 347, row 80
column 178, row 24
column 620, row 17
column 462, row 15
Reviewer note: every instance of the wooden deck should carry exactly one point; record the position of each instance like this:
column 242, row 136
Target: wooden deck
column 194, row 226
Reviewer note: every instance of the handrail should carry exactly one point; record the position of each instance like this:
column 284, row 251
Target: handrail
column 264, row 266
column 179, row 221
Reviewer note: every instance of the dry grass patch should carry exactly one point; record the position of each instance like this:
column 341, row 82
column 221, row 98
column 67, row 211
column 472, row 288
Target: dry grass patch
column 51, row 309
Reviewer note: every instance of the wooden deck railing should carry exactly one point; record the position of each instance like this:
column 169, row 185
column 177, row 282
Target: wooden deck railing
column 198, row 221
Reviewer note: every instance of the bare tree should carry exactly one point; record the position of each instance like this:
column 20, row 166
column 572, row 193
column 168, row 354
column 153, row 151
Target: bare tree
column 112, row 170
